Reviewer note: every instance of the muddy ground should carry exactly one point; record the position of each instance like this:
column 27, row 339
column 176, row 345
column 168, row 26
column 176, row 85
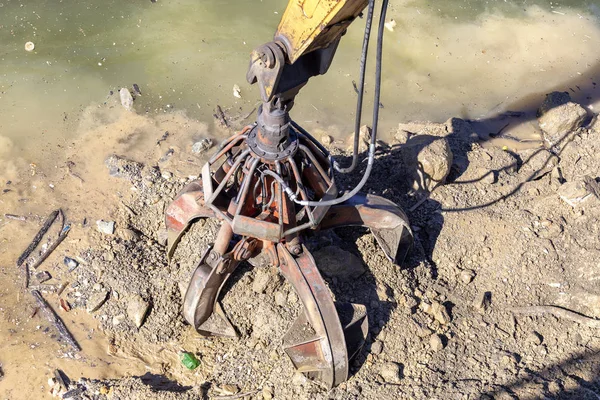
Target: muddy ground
column 508, row 231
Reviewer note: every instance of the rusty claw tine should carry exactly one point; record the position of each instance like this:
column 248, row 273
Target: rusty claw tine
column 187, row 206
column 315, row 342
column 204, row 288
column 387, row 222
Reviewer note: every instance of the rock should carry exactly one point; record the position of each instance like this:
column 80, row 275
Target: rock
column 534, row 338
column 96, row 300
column 70, row 263
column 482, row 301
column 401, row 136
column 280, row 299
column 118, row 319
column 553, row 100
column 128, row 234
column 237, row 92
column 229, row 390
column 537, row 162
column 558, row 118
column 267, row 393
column 429, row 159
column 579, row 191
column 326, row 140
column 390, row 25
column 298, row 379
column 390, row 372
column 29, row 46
column 137, row 308
column 43, row 276
column 126, row 99
column 364, row 139
column 261, row 281
column 435, row 342
column 377, row 347
column 595, row 124
column 106, row 227
column 467, row 276
column 438, row 311
column 166, row 175
column 202, row 146
column 162, row 237
column 120, row 167
column 335, row 262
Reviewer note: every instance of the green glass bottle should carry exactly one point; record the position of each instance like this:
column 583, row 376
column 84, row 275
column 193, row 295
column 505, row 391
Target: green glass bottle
column 189, row 360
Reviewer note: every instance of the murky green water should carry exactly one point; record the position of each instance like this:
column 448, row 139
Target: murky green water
column 453, row 58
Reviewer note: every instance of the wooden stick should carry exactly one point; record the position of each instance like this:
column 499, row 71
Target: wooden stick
column 52, row 247
column 56, row 321
column 38, row 237
column 558, row 312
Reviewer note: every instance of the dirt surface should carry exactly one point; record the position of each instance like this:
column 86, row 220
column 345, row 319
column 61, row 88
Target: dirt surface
column 454, row 321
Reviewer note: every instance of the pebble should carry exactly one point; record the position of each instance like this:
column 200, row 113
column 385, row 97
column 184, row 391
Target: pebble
column 163, row 237
column 118, row 319
column 435, row 342
column 106, row 227
column 482, row 301
column 280, row 299
column 298, row 379
column 335, row 262
column 126, row 98
column 377, row 347
column 326, row 140
column 96, row 300
column 267, row 393
column 202, row 145
column 534, row 338
column 29, row 46
column 467, row 276
column 261, row 281
column 137, row 310
column 390, row 372
column 128, row 234
column 70, row 263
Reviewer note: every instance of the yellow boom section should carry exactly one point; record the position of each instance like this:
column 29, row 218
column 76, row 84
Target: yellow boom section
column 309, row 25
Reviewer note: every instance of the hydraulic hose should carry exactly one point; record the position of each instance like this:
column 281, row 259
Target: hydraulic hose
column 361, row 92
column 372, row 145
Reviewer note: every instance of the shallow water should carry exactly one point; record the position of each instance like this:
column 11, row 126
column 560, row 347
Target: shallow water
column 471, row 59
column 462, row 58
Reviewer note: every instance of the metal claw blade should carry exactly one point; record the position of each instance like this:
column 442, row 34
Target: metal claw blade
column 187, row 206
column 200, row 307
column 318, row 343
column 387, row 222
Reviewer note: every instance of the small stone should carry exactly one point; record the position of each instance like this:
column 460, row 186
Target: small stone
column 377, row 347
column 237, row 92
column 439, row 312
column 267, row 393
column 162, row 237
column 202, row 145
column 118, row 319
column 335, row 262
column 29, row 46
column 578, row 191
column 298, row 379
column 106, row 227
column 96, row 300
column 326, row 140
column 166, row 175
column 595, row 124
column 137, row 309
column 435, row 342
column 128, row 234
column 261, row 281
column 42, row 276
column 467, row 276
column 534, row 338
column 126, row 99
column 482, row 301
column 390, row 372
column 229, row 390
column 280, row 299
column 70, row 263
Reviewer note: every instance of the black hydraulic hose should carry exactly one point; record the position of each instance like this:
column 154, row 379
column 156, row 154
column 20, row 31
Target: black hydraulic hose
column 361, row 92
column 371, row 157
